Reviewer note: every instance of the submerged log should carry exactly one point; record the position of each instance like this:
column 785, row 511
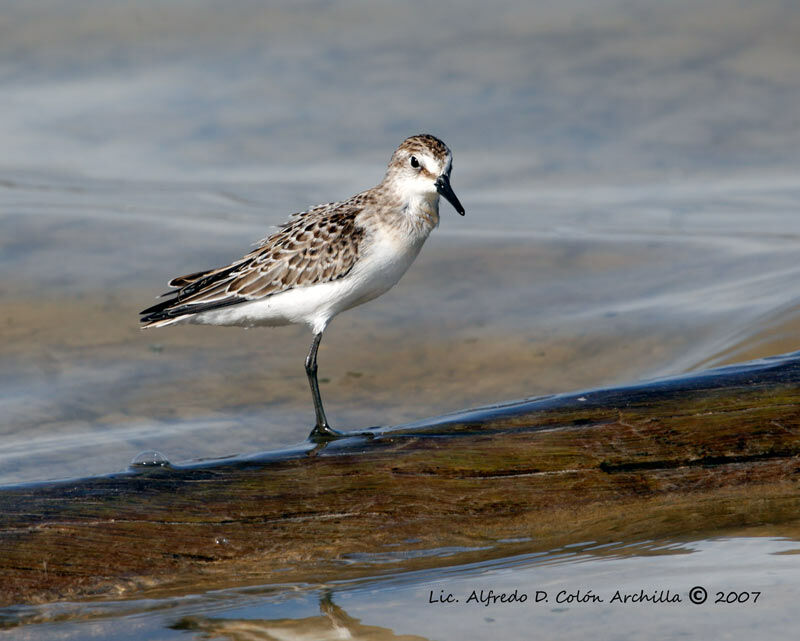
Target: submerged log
column 683, row 456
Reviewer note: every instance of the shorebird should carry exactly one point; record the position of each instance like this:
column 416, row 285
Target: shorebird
column 323, row 261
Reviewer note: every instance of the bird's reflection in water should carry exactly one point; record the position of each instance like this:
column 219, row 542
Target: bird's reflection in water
column 333, row 623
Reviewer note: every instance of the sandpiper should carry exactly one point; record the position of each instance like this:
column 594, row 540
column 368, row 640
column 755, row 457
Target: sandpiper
column 324, row 260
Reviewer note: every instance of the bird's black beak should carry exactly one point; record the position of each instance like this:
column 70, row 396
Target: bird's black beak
column 443, row 187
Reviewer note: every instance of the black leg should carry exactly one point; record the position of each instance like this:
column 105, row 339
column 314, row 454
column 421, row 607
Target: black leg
column 321, row 429
column 322, row 432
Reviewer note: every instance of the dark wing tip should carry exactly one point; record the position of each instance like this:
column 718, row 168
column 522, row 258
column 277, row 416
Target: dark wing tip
column 159, row 311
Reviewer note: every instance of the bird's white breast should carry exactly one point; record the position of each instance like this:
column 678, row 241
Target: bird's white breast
column 383, row 263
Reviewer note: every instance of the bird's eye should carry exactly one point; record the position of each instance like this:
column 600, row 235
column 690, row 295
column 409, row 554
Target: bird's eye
column 414, row 162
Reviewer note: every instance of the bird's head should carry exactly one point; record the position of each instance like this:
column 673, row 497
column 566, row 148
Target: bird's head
column 420, row 168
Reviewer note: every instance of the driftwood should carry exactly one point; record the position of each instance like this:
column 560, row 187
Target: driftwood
column 685, row 456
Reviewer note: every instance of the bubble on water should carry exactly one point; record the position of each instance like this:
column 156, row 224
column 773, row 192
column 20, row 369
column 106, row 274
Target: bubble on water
column 150, row 458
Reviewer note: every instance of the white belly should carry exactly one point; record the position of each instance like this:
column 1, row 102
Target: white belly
column 385, row 260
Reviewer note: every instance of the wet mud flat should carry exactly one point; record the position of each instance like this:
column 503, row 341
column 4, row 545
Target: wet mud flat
column 681, row 456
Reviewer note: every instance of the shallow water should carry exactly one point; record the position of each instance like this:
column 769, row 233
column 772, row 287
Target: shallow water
column 630, row 177
column 636, row 227
column 640, row 591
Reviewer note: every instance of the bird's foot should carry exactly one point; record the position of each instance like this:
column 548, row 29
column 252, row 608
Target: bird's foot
column 325, row 433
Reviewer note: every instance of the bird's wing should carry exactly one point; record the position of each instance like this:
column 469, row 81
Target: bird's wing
column 316, row 246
